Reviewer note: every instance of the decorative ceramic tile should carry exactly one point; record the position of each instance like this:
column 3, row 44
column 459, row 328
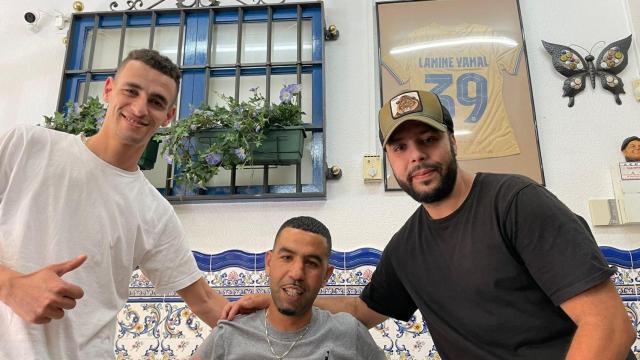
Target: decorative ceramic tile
column 405, row 340
column 233, row 282
column 633, row 310
column 167, row 330
column 626, row 286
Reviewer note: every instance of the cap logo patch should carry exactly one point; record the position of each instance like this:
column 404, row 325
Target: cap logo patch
column 404, row 104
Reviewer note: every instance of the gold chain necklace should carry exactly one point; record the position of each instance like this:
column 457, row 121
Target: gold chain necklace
column 266, row 334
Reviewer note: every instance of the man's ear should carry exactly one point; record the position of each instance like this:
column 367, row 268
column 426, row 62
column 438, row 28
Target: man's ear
column 454, row 145
column 328, row 274
column 170, row 114
column 267, row 262
column 108, row 88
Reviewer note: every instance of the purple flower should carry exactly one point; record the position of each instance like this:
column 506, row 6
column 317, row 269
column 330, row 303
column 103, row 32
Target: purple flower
column 255, row 89
column 194, row 127
column 287, row 92
column 294, row 88
column 236, row 125
column 213, row 158
column 100, row 120
column 240, row 154
column 285, row 96
column 189, row 143
column 168, row 158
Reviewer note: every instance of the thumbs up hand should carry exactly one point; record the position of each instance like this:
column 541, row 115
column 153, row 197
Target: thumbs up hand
column 43, row 295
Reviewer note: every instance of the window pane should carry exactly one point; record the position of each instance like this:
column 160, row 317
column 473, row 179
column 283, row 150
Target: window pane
column 221, row 86
column 307, row 41
column 225, row 43
column 136, row 38
column 254, row 42
column 165, row 41
column 279, row 81
column 95, row 90
column 284, row 41
column 105, row 55
column 250, row 82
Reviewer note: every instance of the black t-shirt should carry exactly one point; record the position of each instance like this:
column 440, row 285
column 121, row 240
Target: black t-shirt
column 489, row 278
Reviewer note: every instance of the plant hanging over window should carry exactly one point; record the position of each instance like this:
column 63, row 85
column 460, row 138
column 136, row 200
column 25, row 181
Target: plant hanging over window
column 226, row 135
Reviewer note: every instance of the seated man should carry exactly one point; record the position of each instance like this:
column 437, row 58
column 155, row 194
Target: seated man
column 291, row 327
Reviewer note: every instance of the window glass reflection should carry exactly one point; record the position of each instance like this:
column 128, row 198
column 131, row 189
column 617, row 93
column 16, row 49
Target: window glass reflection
column 224, row 44
column 165, row 41
column 220, row 86
column 284, row 41
column 254, row 43
column 307, row 41
column 136, row 38
column 105, row 55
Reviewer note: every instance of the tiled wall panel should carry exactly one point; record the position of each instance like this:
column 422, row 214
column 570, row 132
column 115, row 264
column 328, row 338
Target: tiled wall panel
column 163, row 327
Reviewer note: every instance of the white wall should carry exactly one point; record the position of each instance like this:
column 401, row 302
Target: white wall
column 578, row 144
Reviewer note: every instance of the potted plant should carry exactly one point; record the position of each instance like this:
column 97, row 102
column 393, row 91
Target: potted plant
column 239, row 133
column 87, row 119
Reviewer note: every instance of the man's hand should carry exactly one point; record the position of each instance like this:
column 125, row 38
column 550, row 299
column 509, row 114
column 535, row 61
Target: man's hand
column 245, row 305
column 41, row 296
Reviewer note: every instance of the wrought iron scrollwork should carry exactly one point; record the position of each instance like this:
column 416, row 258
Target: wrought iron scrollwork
column 133, row 5
column 197, row 3
column 138, row 4
column 256, row 2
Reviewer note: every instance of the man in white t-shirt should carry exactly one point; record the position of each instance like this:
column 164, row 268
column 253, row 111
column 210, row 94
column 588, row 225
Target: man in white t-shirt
column 77, row 216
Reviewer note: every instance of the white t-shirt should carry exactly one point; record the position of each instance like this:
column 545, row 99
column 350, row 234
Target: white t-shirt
column 59, row 200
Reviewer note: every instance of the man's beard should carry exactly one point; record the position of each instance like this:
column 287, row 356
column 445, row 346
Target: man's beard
column 289, row 309
column 287, row 312
column 447, row 183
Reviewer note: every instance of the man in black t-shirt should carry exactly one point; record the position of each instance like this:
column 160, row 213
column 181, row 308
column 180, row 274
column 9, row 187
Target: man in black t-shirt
column 497, row 265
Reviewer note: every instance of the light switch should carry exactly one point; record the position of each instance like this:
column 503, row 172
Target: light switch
column 371, row 168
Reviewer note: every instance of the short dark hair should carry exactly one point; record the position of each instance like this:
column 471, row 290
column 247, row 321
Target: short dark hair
column 153, row 59
column 308, row 224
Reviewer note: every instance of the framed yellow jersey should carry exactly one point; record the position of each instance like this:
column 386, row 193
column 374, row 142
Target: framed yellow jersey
column 464, row 64
column 471, row 53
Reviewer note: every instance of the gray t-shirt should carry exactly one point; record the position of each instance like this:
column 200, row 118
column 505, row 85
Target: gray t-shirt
column 330, row 337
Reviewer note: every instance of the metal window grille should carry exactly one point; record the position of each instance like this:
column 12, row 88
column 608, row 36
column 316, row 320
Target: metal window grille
column 99, row 41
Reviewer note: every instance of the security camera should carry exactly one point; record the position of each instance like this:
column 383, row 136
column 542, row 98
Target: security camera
column 30, row 17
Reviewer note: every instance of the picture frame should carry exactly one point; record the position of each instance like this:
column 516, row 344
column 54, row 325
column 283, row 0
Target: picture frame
column 473, row 55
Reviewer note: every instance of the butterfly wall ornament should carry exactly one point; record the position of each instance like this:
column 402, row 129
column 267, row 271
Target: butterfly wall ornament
column 611, row 61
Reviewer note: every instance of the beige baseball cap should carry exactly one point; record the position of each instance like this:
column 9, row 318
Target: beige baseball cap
column 419, row 105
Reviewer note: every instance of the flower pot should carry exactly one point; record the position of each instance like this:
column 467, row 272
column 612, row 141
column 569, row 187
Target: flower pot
column 282, row 146
column 148, row 158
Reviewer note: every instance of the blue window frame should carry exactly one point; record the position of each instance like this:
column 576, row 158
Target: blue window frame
column 90, row 59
